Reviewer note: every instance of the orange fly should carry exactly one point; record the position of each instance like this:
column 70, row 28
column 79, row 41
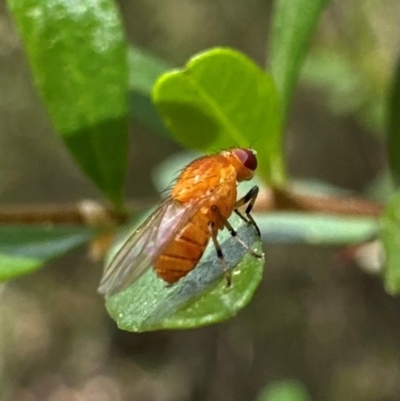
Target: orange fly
column 174, row 237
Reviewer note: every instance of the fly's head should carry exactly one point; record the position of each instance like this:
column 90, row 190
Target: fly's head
column 244, row 161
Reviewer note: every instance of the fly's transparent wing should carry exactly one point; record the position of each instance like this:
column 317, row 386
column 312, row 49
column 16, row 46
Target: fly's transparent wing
column 142, row 248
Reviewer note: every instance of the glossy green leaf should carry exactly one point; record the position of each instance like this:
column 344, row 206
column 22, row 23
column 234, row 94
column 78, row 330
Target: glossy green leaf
column 77, row 54
column 144, row 69
column 390, row 236
column 24, row 249
column 394, row 127
column 200, row 298
column 293, row 23
column 222, row 99
column 284, row 390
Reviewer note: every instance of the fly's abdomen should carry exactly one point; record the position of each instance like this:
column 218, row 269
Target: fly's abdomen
column 185, row 251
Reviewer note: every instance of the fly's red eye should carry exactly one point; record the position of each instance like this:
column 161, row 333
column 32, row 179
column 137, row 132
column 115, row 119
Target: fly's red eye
column 247, row 157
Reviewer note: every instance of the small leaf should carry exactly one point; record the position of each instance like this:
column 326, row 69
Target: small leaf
column 390, row 236
column 24, row 249
column 144, row 71
column 77, row 53
column 293, row 23
column 284, row 390
column 394, row 127
column 200, row 298
column 222, row 99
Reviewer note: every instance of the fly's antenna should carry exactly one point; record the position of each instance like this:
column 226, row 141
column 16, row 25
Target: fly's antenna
column 237, row 145
column 253, row 142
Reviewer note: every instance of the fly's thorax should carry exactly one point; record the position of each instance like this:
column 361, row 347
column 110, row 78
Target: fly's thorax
column 224, row 200
column 204, row 178
column 243, row 160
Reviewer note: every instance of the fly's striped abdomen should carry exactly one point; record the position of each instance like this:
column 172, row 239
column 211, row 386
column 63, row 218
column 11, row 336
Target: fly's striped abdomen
column 185, row 251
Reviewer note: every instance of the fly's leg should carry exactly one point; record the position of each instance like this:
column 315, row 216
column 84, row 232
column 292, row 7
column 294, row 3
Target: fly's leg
column 220, row 255
column 233, row 232
column 250, row 199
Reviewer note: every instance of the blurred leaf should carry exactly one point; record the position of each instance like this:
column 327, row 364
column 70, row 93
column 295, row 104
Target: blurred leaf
column 77, row 53
column 222, row 99
column 198, row 299
column 144, row 70
column 348, row 86
column 337, row 75
column 24, row 249
column 390, row 236
column 381, row 187
column 318, row 229
column 394, row 127
column 284, row 390
column 293, row 23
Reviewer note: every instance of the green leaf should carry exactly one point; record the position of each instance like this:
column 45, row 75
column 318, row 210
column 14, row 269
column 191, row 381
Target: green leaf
column 293, row 23
column 390, row 236
column 394, row 127
column 222, row 99
column 24, row 249
column 284, row 390
column 200, row 298
column 77, row 53
column 144, row 69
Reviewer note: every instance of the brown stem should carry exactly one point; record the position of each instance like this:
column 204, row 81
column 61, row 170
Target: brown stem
column 96, row 214
column 81, row 213
column 289, row 200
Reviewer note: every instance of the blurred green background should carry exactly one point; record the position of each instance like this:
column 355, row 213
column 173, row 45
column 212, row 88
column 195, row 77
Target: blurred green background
column 321, row 323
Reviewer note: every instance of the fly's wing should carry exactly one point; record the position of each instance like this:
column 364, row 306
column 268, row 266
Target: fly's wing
column 143, row 247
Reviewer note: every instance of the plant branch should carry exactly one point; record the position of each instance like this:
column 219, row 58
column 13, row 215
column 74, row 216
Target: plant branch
column 273, row 199
column 96, row 214
column 86, row 212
